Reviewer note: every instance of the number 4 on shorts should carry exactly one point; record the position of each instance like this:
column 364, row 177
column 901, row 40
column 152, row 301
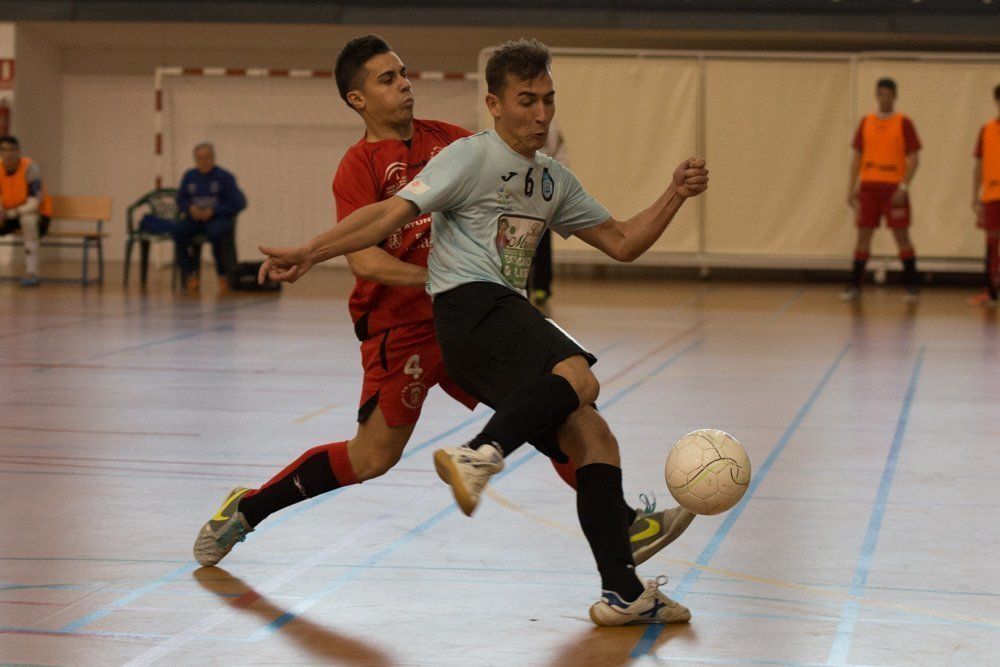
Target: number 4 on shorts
column 412, row 367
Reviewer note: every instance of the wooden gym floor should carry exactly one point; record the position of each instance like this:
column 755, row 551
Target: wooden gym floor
column 868, row 537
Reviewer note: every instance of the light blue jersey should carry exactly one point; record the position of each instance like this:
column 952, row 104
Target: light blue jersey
column 491, row 205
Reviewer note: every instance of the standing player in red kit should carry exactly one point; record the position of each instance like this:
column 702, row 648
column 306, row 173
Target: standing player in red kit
column 986, row 202
column 391, row 312
column 886, row 155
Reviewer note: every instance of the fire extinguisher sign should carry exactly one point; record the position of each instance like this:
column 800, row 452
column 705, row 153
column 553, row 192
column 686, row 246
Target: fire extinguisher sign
column 6, row 73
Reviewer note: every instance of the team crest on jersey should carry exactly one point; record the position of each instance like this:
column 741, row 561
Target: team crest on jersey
column 395, row 240
column 548, row 185
column 413, row 394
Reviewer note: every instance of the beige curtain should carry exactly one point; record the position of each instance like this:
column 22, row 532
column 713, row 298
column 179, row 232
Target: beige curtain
column 628, row 122
column 777, row 144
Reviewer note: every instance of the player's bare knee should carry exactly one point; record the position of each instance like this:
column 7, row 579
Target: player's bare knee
column 382, row 461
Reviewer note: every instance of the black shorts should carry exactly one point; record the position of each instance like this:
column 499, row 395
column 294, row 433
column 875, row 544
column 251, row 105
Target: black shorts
column 14, row 224
column 494, row 342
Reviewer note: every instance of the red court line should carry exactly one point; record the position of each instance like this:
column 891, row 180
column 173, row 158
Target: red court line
column 198, row 369
column 83, row 635
column 78, row 430
column 180, row 473
column 114, row 460
column 670, row 341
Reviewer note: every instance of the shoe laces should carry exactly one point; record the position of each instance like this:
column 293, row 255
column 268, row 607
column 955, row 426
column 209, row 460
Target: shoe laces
column 661, row 580
column 649, row 500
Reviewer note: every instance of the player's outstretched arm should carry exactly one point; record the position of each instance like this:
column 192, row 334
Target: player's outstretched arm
column 379, row 266
column 362, row 229
column 627, row 240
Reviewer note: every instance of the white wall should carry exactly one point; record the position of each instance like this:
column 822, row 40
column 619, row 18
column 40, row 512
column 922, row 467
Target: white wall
column 107, row 143
column 38, row 112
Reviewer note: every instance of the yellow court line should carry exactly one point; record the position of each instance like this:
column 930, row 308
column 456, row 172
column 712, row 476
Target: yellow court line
column 317, row 413
column 779, row 583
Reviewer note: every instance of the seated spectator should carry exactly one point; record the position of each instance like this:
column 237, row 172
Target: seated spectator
column 26, row 204
column 208, row 200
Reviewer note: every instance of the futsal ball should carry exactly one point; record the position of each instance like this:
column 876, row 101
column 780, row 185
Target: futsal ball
column 707, row 471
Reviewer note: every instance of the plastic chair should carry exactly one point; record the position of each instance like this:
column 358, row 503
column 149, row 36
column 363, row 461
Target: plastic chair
column 161, row 203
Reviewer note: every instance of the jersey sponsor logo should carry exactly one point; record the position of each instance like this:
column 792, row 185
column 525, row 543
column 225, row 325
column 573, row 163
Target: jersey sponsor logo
column 517, row 238
column 435, row 151
column 417, row 187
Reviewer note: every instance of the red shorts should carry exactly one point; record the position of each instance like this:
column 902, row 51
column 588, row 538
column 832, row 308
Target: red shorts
column 989, row 219
column 875, row 200
column 401, row 365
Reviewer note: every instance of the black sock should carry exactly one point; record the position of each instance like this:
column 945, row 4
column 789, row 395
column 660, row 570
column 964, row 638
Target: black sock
column 858, row 272
column 910, row 272
column 531, row 410
column 307, row 477
column 601, row 509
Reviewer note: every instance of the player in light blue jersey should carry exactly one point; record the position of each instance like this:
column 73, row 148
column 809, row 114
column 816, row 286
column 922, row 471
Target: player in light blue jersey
column 492, row 195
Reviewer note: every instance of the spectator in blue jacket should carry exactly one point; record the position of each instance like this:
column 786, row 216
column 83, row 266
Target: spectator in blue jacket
column 209, row 200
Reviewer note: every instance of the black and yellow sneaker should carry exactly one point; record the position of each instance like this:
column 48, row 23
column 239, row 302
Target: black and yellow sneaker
column 652, row 530
column 227, row 527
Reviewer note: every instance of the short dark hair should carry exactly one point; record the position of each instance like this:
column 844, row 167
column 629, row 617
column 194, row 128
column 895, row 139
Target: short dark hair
column 996, row 93
column 886, row 83
column 524, row 59
column 9, row 139
column 350, row 68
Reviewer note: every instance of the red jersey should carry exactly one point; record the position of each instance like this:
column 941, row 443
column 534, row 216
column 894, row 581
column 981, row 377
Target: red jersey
column 374, row 171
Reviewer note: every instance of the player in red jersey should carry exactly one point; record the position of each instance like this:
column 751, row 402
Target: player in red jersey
column 886, row 155
column 986, row 202
column 391, row 312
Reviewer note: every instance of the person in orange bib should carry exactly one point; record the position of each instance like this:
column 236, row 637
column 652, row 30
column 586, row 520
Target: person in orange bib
column 986, row 202
column 886, row 155
column 26, row 204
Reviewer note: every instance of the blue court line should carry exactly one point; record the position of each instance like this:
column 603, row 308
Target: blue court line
column 357, row 570
column 370, row 562
column 126, row 599
column 620, row 394
column 649, row 637
column 160, row 341
column 845, row 629
column 298, row 509
column 788, row 304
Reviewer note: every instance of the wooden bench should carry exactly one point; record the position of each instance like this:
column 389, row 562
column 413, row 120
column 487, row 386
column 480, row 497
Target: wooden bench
column 77, row 222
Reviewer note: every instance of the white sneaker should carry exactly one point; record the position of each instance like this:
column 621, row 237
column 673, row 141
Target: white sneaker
column 652, row 607
column 467, row 471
